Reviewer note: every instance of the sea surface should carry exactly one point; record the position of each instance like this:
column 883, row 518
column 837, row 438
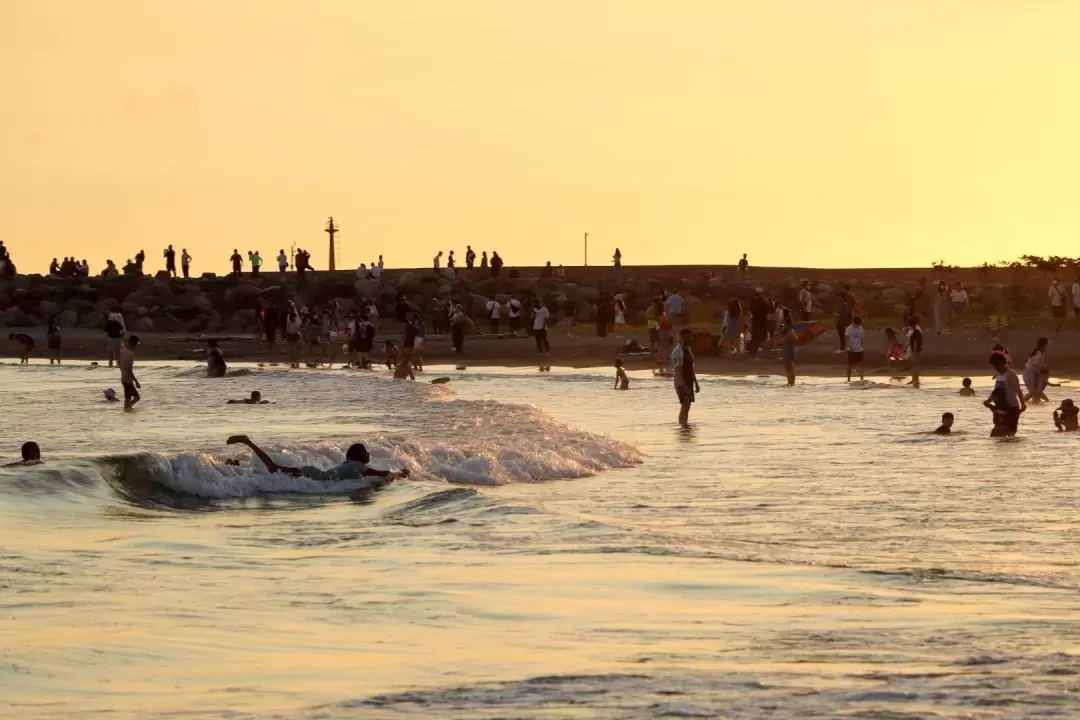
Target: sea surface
column 562, row 550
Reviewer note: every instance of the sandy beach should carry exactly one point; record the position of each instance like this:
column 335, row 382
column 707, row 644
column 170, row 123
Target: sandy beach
column 960, row 353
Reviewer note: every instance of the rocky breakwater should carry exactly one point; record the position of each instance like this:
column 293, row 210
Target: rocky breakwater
column 213, row 304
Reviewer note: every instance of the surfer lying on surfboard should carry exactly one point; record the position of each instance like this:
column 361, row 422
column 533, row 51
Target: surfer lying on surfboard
column 355, row 466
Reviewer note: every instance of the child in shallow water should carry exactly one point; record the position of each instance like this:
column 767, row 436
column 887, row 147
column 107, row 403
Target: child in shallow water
column 1067, row 417
column 622, row 382
column 946, row 424
column 966, row 390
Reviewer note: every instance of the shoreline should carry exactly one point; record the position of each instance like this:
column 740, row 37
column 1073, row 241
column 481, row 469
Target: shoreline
column 953, row 356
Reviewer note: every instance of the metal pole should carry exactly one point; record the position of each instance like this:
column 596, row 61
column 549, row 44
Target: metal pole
column 586, row 249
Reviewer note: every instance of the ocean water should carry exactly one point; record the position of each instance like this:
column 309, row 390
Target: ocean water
column 561, row 550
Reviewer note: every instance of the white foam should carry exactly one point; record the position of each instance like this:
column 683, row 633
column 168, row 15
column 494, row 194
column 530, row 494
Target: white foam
column 488, row 444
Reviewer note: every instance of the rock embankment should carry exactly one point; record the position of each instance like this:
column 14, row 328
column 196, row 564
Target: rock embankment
column 213, row 304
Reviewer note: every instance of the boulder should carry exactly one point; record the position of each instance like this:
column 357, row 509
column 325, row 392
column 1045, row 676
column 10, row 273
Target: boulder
column 48, row 308
column 67, row 319
column 368, row 288
column 143, row 324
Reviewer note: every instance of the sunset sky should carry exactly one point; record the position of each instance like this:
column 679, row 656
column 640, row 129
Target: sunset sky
column 816, row 133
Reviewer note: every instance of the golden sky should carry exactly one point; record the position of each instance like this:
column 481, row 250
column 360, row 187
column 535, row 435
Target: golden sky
column 804, row 132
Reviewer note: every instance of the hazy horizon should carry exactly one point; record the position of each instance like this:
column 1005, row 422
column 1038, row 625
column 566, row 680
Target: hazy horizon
column 831, row 134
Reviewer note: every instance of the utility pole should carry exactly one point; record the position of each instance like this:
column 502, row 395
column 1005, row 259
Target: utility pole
column 331, row 231
column 586, row 249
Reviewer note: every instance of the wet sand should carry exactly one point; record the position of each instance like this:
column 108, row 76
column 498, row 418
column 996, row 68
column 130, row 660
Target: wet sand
column 961, row 353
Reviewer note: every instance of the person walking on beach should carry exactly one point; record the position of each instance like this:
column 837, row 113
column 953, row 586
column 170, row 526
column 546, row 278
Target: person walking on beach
column 494, row 311
column 470, row 257
column 170, row 261
column 844, row 314
column 539, row 326
column 237, row 263
column 26, row 346
column 54, row 341
column 127, row 373
column 806, row 301
column 686, row 382
column 941, row 312
column 450, row 264
column 675, row 309
column 854, row 336
column 1037, row 373
column 513, row 312
column 759, row 320
column 744, row 265
column 483, row 260
column 185, row 263
column 1076, row 302
column 1057, row 303
column 435, row 261
column 457, row 329
column 733, row 326
column 496, row 264
column 960, row 301
column 915, row 349
column 256, row 263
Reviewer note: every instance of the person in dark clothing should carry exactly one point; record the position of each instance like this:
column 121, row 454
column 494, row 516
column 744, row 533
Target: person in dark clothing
column 170, row 261
column 215, row 361
column 270, row 323
column 759, row 312
column 237, row 263
column 26, row 345
column 140, row 258
column 605, row 316
column 496, row 264
column 844, row 315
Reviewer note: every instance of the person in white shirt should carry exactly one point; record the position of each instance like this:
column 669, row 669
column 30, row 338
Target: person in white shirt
column 376, row 271
column 540, row 317
column 494, row 311
column 362, row 272
column 806, row 301
column 675, row 308
column 959, row 298
column 282, row 262
column 1076, row 302
column 513, row 311
column 854, row 337
column 1057, row 303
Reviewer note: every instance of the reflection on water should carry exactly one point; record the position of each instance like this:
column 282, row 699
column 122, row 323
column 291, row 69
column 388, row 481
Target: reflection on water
column 809, row 552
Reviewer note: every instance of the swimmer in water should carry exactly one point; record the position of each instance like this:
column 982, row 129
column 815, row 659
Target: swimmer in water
column 1007, row 399
column 1067, row 417
column 355, row 466
column 255, row 399
column 946, row 425
column 622, row 382
column 215, row 361
column 26, row 345
column 966, row 390
column 31, row 455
